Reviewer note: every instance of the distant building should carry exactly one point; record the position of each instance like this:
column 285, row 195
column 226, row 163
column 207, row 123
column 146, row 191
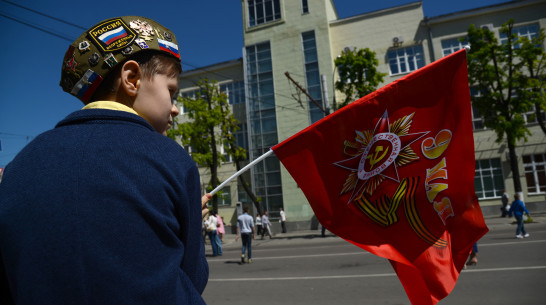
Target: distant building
column 303, row 38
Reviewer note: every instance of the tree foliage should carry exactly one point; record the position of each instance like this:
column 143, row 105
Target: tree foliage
column 507, row 77
column 358, row 75
column 210, row 126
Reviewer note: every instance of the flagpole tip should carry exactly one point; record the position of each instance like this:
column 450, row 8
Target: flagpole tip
column 467, row 48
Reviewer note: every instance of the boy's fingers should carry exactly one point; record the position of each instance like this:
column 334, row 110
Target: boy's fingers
column 206, row 198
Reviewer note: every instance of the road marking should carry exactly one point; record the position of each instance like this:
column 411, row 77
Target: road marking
column 518, row 242
column 329, row 277
column 299, row 278
column 299, row 256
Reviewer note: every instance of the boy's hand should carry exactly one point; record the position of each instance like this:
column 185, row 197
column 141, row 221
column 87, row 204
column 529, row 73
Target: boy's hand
column 204, row 210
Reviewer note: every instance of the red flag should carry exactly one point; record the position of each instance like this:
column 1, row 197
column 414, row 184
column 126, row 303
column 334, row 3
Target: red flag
column 393, row 173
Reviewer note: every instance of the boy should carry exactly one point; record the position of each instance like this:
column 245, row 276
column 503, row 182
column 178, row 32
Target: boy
column 104, row 209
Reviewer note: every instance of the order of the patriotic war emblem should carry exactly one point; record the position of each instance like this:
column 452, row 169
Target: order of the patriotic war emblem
column 375, row 156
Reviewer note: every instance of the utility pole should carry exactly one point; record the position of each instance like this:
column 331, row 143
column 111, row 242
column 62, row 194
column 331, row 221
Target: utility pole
column 305, row 92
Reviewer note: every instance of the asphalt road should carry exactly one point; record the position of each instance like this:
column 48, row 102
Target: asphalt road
column 307, row 269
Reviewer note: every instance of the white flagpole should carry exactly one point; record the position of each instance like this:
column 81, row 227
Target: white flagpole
column 242, row 170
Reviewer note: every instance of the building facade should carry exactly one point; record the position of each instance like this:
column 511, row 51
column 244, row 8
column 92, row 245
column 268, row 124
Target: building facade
column 301, row 39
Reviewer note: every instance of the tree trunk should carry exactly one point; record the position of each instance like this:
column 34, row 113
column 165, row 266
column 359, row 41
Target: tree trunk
column 514, row 165
column 540, row 119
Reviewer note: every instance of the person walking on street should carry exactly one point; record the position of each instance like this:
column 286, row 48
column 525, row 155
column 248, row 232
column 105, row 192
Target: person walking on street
column 266, row 225
column 518, row 208
column 505, row 207
column 221, row 229
column 259, row 224
column 283, row 221
column 245, row 228
column 219, row 232
column 211, row 225
column 473, row 259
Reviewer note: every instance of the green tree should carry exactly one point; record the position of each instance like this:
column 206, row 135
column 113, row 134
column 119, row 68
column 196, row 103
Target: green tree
column 210, row 126
column 358, row 75
column 533, row 60
column 507, row 89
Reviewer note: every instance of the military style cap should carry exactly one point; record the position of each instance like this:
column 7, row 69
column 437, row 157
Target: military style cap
column 100, row 49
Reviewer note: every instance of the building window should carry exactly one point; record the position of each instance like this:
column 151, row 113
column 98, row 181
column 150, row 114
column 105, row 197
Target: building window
column 263, row 11
column 225, row 196
column 404, row 60
column 531, row 116
column 529, row 31
column 235, row 92
column 192, row 94
column 262, row 120
column 488, row 180
column 312, row 75
column 224, row 152
column 304, row 6
column 477, row 118
column 535, row 173
column 453, row 45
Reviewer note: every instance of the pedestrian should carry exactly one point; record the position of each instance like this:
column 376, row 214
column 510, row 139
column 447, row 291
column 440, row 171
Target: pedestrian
column 104, row 208
column 245, row 228
column 219, row 232
column 211, row 225
column 517, row 209
column 221, row 229
column 266, row 225
column 258, row 224
column 283, row 221
column 505, row 206
column 473, row 259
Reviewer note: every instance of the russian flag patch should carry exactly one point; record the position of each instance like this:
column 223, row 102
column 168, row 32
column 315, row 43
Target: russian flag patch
column 168, row 46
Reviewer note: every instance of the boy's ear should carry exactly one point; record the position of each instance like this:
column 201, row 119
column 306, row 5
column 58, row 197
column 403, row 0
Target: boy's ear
column 130, row 77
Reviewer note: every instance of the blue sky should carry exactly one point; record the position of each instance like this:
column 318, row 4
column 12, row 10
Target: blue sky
column 208, row 32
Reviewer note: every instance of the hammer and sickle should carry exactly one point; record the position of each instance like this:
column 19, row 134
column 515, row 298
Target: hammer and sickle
column 374, row 159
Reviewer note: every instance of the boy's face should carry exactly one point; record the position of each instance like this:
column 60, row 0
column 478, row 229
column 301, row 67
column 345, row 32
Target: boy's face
column 154, row 101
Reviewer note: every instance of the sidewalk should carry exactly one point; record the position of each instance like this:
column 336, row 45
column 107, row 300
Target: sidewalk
column 492, row 222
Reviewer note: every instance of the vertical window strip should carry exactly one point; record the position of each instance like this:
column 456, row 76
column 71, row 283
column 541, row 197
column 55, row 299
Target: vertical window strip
column 312, row 74
column 304, row 6
column 263, row 123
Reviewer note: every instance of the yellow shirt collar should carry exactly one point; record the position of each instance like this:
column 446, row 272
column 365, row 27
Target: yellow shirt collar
column 109, row 105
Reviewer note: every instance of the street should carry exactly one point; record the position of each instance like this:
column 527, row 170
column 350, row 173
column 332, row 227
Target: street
column 308, row 269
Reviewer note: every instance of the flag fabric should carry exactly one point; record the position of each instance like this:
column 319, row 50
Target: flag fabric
column 393, row 173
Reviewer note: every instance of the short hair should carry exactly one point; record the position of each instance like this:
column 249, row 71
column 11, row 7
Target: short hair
column 150, row 62
column 245, row 210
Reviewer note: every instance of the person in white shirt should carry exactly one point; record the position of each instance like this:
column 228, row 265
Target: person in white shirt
column 210, row 225
column 266, row 226
column 283, row 221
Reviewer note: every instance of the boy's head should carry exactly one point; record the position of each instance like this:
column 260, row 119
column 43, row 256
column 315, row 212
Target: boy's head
column 131, row 60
